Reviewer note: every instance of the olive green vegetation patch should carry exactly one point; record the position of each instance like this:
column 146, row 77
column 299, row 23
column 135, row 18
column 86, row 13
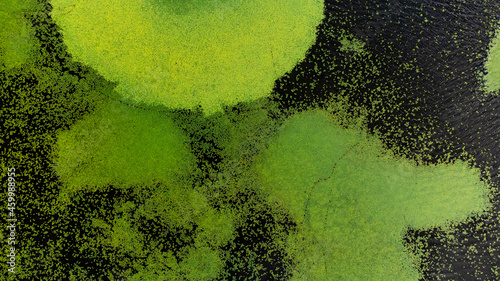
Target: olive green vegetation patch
column 188, row 245
column 492, row 78
column 353, row 201
column 16, row 33
column 121, row 145
column 350, row 43
column 36, row 101
column 165, row 228
column 198, row 53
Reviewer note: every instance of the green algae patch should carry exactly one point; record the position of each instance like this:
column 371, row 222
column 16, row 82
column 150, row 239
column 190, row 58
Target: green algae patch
column 191, row 53
column 158, row 224
column 492, row 78
column 16, row 33
column 353, row 201
column 174, row 234
column 160, row 232
column 351, row 44
column 120, row 144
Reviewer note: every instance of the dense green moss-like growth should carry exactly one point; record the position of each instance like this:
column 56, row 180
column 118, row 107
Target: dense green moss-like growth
column 191, row 53
column 120, row 144
column 16, row 35
column 353, row 201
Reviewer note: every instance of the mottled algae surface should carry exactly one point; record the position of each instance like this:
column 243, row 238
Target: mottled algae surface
column 250, row 140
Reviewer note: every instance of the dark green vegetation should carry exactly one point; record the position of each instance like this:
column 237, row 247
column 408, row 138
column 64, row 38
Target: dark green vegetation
column 403, row 73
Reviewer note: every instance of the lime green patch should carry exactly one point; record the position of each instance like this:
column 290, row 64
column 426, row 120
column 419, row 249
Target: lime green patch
column 492, row 78
column 183, row 7
column 184, row 55
column 353, row 200
column 120, row 144
column 16, row 34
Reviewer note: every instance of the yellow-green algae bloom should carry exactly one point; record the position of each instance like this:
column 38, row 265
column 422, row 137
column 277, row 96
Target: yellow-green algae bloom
column 16, row 42
column 187, row 54
column 492, row 78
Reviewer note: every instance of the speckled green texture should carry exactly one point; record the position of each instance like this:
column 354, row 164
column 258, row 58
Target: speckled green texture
column 351, row 44
column 190, row 54
column 354, row 168
column 189, row 222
